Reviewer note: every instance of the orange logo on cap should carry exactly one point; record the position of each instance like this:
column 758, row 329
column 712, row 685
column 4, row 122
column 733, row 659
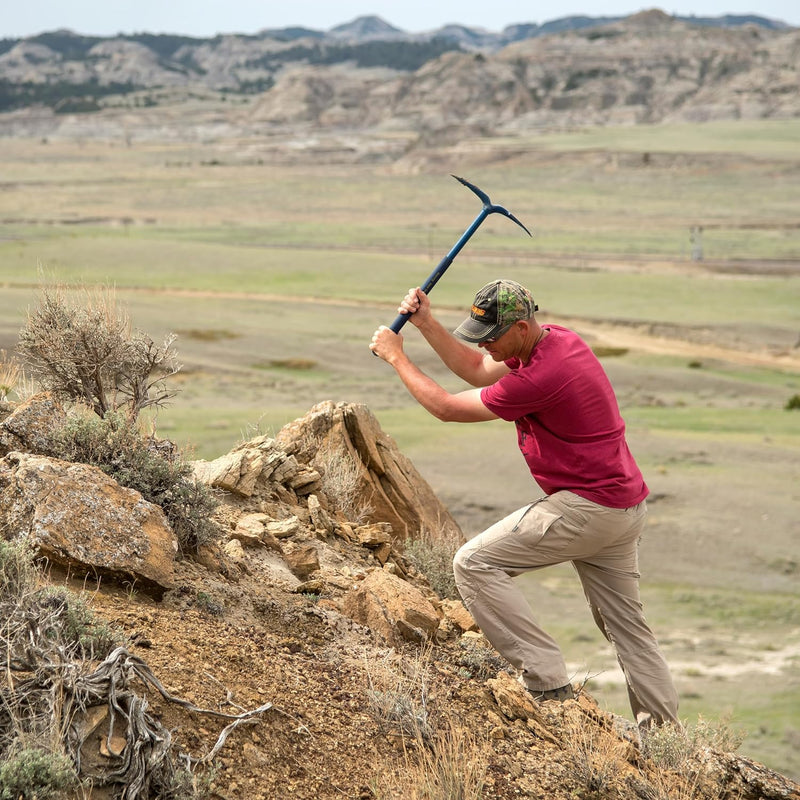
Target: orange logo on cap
column 478, row 311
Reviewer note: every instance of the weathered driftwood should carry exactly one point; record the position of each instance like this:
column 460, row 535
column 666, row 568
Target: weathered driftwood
column 53, row 690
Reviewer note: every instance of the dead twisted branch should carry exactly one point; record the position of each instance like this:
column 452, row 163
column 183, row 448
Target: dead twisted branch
column 53, row 688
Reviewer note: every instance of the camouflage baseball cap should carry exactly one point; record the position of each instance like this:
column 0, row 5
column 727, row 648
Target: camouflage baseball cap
column 497, row 306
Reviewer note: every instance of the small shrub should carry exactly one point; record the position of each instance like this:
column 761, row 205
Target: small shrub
column 209, row 334
column 294, row 364
column 398, row 695
column 34, row 774
column 60, row 618
column 594, row 756
column 18, row 575
column 184, row 784
column 479, row 660
column 678, row 757
column 205, row 602
column 115, row 445
column 433, row 557
column 673, row 748
column 793, row 403
column 607, row 351
column 87, row 352
column 68, row 619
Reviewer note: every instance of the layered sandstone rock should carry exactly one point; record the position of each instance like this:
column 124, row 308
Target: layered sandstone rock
column 80, row 518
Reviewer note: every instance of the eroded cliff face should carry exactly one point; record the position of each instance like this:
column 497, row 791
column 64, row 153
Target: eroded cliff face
column 647, row 68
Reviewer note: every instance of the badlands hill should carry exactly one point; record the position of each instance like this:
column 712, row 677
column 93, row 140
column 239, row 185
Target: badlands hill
column 301, row 653
column 377, row 84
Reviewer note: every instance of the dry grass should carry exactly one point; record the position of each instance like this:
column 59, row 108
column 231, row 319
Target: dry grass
column 678, row 763
column 398, row 694
column 10, row 374
column 595, row 755
column 432, row 552
column 343, row 485
column 442, row 758
column 451, row 766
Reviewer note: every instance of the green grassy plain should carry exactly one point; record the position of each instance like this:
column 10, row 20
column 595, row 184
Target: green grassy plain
column 274, row 278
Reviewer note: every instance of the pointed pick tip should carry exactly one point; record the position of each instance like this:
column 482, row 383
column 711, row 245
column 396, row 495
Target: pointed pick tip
column 522, row 226
column 508, row 214
column 484, row 198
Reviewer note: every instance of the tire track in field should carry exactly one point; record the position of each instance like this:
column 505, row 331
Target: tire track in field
column 608, row 333
column 605, row 332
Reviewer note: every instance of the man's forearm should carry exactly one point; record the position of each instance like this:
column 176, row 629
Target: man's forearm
column 432, row 397
column 457, row 356
column 464, row 406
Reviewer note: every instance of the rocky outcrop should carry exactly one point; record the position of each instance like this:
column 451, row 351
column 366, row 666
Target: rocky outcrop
column 334, row 460
column 654, row 69
column 258, row 467
column 387, row 485
column 83, row 520
column 331, row 483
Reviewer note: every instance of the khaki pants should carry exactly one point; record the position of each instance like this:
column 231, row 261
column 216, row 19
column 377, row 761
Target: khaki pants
column 602, row 544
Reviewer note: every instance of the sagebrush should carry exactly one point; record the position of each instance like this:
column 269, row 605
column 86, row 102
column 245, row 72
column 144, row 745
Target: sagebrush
column 82, row 347
column 33, row 773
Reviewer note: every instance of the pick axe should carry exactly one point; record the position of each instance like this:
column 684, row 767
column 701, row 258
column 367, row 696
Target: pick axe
column 488, row 208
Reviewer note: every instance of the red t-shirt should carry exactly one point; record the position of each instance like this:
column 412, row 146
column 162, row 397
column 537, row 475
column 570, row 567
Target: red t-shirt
column 569, row 427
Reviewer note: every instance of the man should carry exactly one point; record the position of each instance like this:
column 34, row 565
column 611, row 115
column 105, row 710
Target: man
column 549, row 383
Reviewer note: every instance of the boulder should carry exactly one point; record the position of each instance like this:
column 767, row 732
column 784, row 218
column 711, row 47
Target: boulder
column 284, row 528
column 80, row 518
column 392, row 608
column 374, row 535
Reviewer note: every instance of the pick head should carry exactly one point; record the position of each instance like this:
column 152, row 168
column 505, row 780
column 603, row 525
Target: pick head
column 488, row 206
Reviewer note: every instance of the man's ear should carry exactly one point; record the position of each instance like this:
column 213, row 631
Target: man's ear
column 526, row 325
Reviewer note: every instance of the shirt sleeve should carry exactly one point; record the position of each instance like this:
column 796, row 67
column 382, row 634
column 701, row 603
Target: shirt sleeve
column 513, row 396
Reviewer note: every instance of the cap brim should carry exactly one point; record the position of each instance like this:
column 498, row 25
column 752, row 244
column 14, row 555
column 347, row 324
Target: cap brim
column 471, row 330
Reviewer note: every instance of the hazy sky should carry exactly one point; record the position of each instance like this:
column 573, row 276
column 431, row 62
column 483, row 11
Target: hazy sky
column 208, row 17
